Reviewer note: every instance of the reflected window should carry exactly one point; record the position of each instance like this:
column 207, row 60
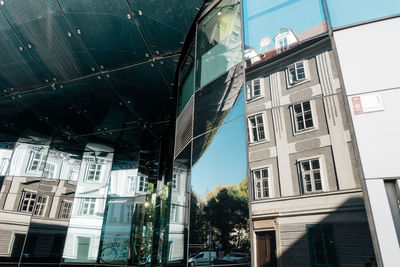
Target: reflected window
column 261, row 183
column 73, row 175
column 40, row 206
column 253, row 88
column 65, row 210
column 93, row 172
column 36, row 162
column 142, row 184
column 296, row 73
column 127, row 212
column 88, row 206
column 311, row 175
column 285, row 38
column 4, row 166
column 321, row 244
column 131, row 184
column 27, row 201
column 49, row 170
column 175, row 181
column 174, row 213
column 256, row 128
column 303, row 118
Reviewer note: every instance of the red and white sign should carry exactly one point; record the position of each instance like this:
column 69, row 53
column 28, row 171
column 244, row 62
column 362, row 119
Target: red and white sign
column 367, row 103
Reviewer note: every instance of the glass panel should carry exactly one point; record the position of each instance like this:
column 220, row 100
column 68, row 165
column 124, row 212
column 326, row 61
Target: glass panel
column 273, row 27
column 107, row 30
column 342, row 12
column 187, row 85
column 219, row 102
column 218, row 41
column 59, row 55
column 86, row 221
column 178, row 220
column 219, row 180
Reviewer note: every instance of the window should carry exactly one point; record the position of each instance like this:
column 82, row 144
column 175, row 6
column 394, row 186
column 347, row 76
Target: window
column 27, row 201
column 321, row 244
column 256, row 131
column 302, row 116
column 87, row 206
column 40, row 206
column 261, row 183
column 4, row 166
column 296, row 73
column 253, row 88
column 173, row 216
column 48, row 171
column 311, row 175
column 73, row 175
column 93, row 172
column 131, row 184
column 175, row 181
column 142, row 184
column 282, row 43
column 36, row 162
column 127, row 210
column 65, row 211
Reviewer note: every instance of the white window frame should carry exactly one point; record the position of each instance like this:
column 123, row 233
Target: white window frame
column 322, row 171
column 268, row 179
column 289, row 80
column 131, row 186
column 91, row 207
column 41, row 161
column 176, row 177
column 142, row 184
column 47, row 171
column 31, row 201
column 65, row 209
column 314, row 118
column 174, row 213
column 250, row 88
column 250, row 128
column 282, row 38
column 71, row 175
column 96, row 172
column 40, row 206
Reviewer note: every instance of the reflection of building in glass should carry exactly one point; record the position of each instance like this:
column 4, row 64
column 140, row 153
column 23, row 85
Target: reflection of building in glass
column 306, row 196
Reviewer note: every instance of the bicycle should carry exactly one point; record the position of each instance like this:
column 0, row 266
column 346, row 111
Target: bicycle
column 116, row 251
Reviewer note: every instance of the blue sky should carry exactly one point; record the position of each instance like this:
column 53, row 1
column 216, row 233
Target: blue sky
column 264, row 18
column 225, row 161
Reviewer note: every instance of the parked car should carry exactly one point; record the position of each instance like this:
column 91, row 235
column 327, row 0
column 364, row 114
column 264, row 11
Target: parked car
column 235, row 256
column 203, row 258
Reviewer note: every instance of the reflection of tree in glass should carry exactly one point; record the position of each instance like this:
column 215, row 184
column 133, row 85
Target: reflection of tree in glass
column 227, row 210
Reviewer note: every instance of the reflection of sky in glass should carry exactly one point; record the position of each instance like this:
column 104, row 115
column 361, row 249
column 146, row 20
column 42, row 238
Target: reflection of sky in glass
column 224, row 162
column 237, row 108
column 343, row 12
column 265, row 18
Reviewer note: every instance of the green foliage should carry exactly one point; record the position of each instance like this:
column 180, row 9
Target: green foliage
column 226, row 208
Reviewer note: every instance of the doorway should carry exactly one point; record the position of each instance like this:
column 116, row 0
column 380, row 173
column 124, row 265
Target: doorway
column 266, row 249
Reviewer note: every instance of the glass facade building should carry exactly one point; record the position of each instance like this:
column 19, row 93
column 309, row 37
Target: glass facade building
column 197, row 133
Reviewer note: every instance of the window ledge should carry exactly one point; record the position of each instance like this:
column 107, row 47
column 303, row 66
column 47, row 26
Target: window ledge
column 303, row 81
column 254, row 99
column 258, row 143
column 313, row 129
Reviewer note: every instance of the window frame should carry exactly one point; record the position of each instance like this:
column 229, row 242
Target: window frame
column 31, row 201
column 250, row 128
column 289, row 81
column 96, row 172
column 174, row 213
column 145, row 183
column 90, row 201
column 45, row 170
column 262, row 179
column 314, row 118
column 65, row 215
column 40, row 207
column 323, row 231
column 302, row 173
column 41, row 162
column 250, row 89
column 175, row 181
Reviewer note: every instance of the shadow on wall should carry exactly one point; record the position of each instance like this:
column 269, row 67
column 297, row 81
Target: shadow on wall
column 341, row 239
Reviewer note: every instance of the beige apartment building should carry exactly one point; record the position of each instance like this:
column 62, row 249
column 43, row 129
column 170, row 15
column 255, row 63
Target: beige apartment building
column 306, row 204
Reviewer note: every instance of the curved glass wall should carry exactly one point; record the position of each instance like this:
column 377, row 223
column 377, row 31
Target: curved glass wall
column 211, row 141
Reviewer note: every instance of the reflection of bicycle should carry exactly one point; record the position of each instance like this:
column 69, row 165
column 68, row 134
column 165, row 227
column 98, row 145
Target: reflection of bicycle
column 116, row 251
column 144, row 256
